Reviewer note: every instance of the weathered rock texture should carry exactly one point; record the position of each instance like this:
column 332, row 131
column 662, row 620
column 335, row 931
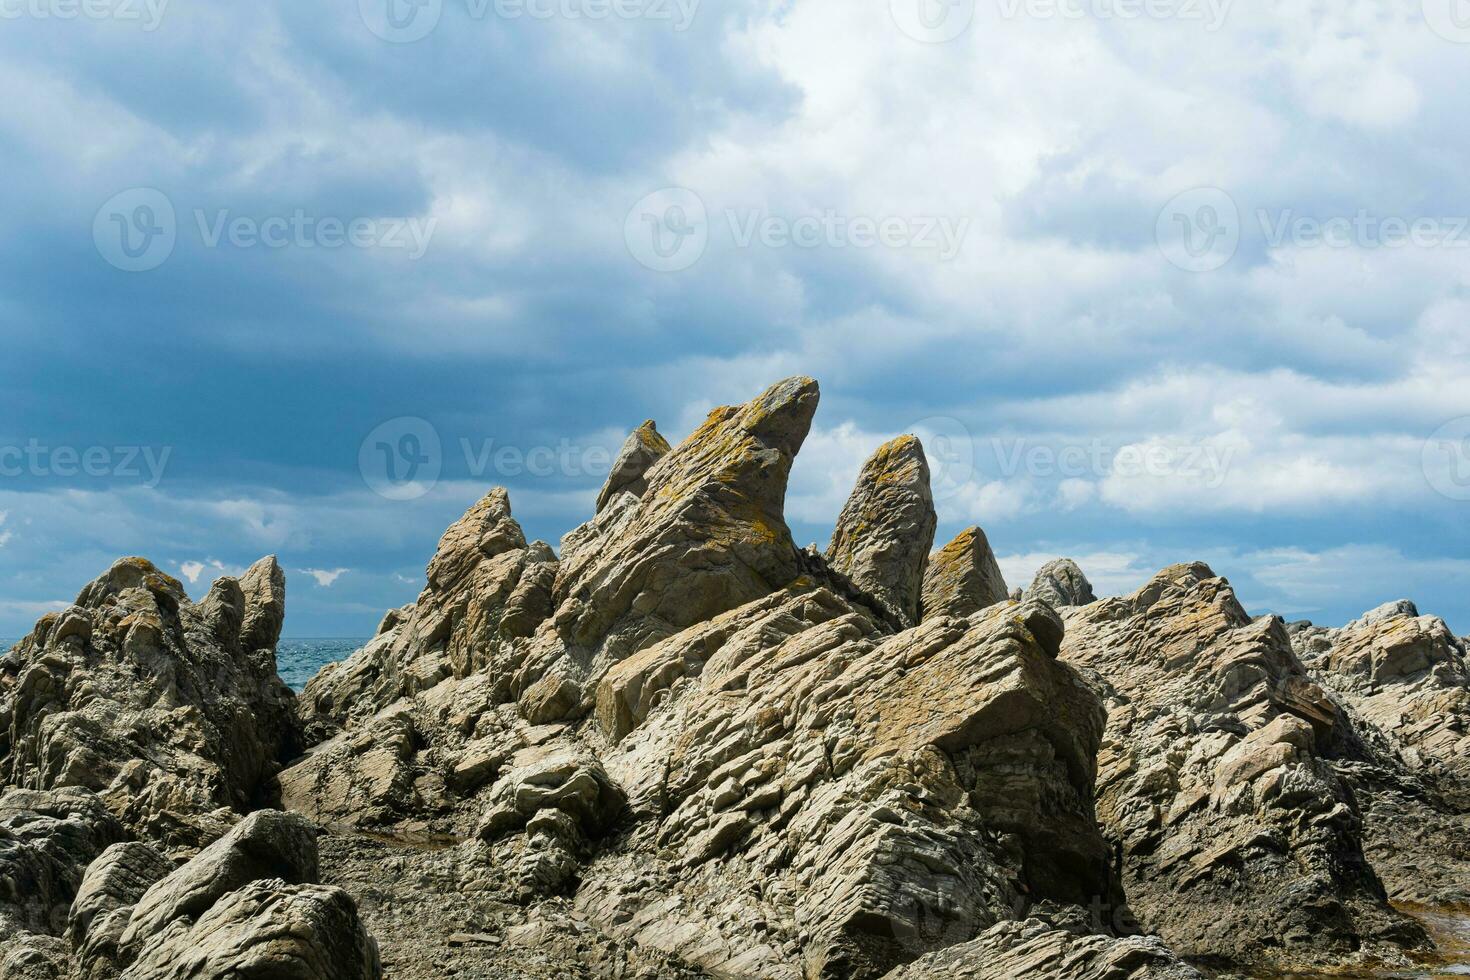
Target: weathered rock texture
column 1240, row 842
column 171, row 711
column 1403, row 679
column 630, row 470
column 963, row 577
column 1061, row 583
column 686, row 748
column 883, row 536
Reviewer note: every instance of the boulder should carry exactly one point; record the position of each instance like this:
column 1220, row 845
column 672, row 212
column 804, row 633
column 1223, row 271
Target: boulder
column 1061, row 583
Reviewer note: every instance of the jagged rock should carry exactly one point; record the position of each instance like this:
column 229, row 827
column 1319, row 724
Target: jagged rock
column 267, row 844
column 708, row 535
column 152, row 702
column 268, row 928
column 264, row 590
column 1061, row 583
column 1037, row 950
column 47, row 839
column 868, row 798
column 482, row 572
column 113, row 884
column 1240, row 842
column 629, row 472
column 1404, row 681
column 963, row 577
column 882, row 539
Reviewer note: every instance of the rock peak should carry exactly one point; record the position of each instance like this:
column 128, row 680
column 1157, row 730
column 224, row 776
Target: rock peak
column 883, row 536
column 640, row 452
column 963, row 577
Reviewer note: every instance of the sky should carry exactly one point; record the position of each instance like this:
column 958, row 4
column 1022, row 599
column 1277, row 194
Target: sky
column 1154, row 280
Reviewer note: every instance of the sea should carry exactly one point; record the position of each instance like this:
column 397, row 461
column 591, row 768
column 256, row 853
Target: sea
column 298, row 661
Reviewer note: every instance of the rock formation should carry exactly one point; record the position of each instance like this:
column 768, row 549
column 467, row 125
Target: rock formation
column 683, row 747
column 1240, row 842
column 883, row 536
column 1061, row 583
column 963, row 577
column 167, row 709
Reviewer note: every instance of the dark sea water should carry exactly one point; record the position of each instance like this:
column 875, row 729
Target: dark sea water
column 299, row 660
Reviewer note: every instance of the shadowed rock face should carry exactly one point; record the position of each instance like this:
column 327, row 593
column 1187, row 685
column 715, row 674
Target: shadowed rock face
column 171, row 711
column 963, row 577
column 883, row 536
column 1240, row 841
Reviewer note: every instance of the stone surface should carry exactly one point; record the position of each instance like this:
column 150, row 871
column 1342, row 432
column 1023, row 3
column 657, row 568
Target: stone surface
column 1240, row 841
column 630, row 470
column 883, row 535
column 155, row 703
column 963, row 577
column 1061, row 583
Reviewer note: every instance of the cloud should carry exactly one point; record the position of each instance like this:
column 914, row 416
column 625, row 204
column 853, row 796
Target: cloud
column 325, row 579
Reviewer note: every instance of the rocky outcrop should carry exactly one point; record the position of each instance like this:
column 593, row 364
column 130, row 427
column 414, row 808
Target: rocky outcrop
column 169, row 710
column 1061, row 583
column 1038, row 950
column 1403, row 680
column 883, row 536
column 630, row 470
column 1240, row 842
column 867, row 797
column 963, row 577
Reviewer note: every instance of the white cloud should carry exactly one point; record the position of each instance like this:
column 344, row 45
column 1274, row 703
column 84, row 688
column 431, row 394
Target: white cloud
column 325, row 579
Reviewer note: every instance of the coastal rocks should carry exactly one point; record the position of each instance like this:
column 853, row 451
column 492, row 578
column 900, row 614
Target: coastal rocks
column 867, row 797
column 1403, row 679
column 963, row 577
column 172, row 712
column 629, row 471
column 485, row 588
column 1061, row 583
column 707, row 535
column 1240, row 843
column 883, row 536
column 247, row 905
column 1038, row 950
column 47, row 839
